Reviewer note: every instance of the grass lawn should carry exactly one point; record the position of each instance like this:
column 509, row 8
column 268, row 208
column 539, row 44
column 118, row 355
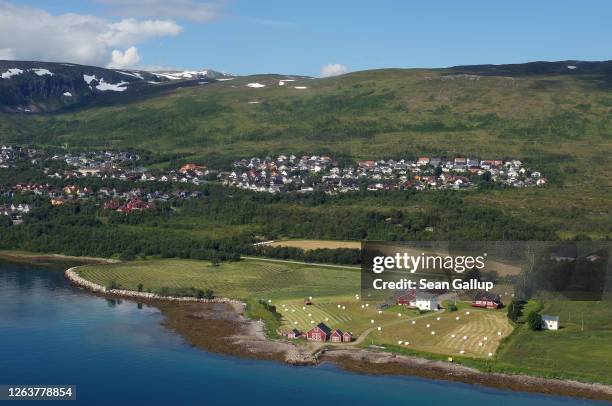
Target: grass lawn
column 574, row 350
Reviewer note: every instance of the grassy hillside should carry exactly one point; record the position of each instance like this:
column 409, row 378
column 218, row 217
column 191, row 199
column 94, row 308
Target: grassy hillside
column 558, row 123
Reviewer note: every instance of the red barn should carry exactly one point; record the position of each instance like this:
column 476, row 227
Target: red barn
column 347, row 337
column 405, row 297
column 336, row 336
column 487, row 300
column 319, row 333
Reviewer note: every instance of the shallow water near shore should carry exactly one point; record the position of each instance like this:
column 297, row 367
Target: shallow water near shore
column 117, row 352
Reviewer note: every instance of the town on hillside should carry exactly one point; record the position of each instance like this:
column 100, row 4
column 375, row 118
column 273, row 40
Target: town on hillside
column 65, row 171
column 309, row 173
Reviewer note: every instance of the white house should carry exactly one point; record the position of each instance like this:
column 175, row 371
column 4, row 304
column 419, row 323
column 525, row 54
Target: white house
column 550, row 322
column 425, row 301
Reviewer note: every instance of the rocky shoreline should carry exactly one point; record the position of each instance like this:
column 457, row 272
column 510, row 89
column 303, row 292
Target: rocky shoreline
column 376, row 362
column 238, row 335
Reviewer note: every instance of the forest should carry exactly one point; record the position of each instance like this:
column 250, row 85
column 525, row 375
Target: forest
column 226, row 222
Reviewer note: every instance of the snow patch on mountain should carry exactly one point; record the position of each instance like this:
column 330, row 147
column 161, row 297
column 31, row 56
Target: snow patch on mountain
column 42, row 71
column 16, row 71
column 11, row 72
column 255, row 85
column 300, row 87
column 89, row 78
column 67, row 94
column 115, row 87
column 184, row 75
column 104, row 86
column 132, row 74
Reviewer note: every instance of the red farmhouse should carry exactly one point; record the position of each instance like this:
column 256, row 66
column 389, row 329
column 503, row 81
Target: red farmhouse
column 336, row 336
column 487, row 300
column 405, row 297
column 319, row 333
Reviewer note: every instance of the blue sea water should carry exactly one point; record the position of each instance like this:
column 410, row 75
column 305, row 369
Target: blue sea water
column 118, row 353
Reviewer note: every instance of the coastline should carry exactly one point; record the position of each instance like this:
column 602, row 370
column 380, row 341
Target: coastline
column 240, row 336
column 385, row 363
column 50, row 259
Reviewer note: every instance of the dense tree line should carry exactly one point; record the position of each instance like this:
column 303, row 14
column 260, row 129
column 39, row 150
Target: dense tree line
column 84, row 228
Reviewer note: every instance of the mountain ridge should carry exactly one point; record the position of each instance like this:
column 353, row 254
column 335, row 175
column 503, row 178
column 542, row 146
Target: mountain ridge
column 36, row 86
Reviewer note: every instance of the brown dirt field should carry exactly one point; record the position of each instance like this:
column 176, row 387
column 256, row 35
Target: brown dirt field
column 315, row 244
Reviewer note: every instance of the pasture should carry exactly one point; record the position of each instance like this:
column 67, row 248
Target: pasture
column 246, row 279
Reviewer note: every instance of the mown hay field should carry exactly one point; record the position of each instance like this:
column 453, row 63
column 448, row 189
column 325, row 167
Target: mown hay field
column 347, row 313
column 477, row 333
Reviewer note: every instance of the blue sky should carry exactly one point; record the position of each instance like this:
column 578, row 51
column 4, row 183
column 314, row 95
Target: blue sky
column 245, row 37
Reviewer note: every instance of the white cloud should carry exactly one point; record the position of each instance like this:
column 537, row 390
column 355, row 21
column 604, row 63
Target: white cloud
column 333, row 69
column 7, row 53
column 125, row 59
column 131, row 31
column 191, row 10
column 28, row 33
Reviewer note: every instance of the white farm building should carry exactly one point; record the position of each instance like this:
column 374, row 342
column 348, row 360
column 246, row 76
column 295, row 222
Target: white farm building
column 425, row 301
column 550, row 322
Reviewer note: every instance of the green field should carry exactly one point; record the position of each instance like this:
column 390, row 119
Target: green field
column 581, row 348
column 247, row 279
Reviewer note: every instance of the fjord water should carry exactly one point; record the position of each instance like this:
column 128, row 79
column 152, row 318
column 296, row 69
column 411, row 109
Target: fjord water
column 119, row 353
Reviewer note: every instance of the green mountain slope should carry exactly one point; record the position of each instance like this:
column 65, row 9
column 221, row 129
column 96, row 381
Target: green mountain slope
column 555, row 116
